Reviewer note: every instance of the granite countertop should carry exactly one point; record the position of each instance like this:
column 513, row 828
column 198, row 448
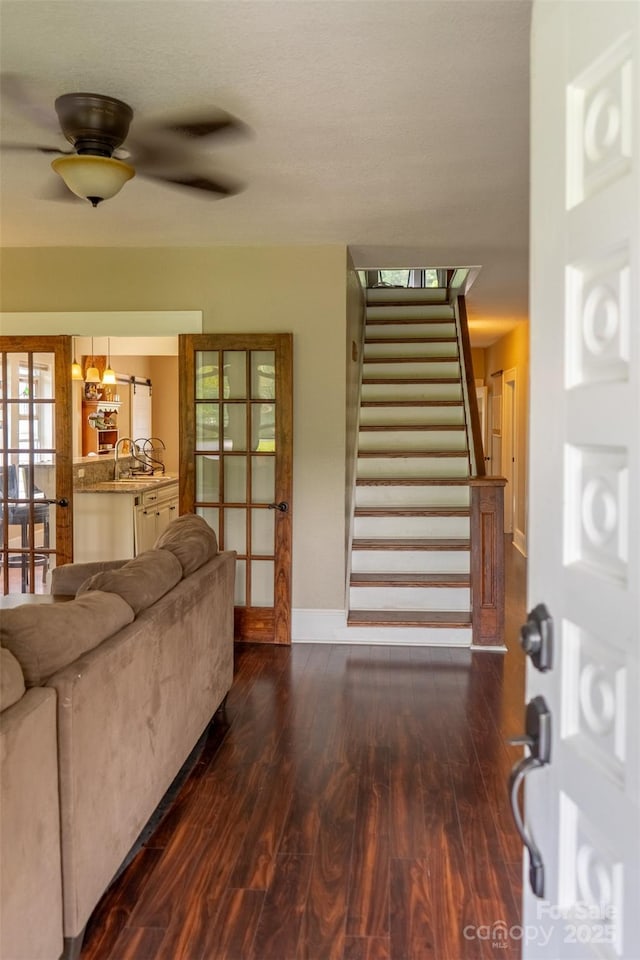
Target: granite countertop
column 131, row 485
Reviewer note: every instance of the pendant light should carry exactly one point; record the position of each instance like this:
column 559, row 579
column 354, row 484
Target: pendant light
column 76, row 369
column 109, row 376
column 93, row 374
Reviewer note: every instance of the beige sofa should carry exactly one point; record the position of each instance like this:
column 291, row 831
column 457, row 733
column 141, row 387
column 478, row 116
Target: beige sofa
column 136, row 665
column 30, row 874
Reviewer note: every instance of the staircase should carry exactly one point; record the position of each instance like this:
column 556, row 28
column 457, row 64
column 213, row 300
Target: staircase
column 410, row 548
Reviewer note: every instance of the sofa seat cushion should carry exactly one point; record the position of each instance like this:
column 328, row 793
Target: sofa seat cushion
column 141, row 581
column 191, row 540
column 12, row 686
column 45, row 638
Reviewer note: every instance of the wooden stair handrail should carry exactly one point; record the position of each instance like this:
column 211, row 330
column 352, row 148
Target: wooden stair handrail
column 474, row 414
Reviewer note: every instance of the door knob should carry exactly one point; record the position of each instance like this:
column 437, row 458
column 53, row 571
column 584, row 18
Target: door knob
column 62, row 502
column 537, row 739
column 536, row 638
column 283, row 506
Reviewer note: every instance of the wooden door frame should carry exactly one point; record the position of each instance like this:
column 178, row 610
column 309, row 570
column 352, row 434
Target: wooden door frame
column 253, row 624
column 61, row 348
column 510, row 447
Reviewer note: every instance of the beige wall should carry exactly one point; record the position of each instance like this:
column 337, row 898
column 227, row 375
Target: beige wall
column 301, row 289
column 512, row 351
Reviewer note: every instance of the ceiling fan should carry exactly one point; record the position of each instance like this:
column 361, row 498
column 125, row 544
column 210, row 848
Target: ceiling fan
column 98, row 166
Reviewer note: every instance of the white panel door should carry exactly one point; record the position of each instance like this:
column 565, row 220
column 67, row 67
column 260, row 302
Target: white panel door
column 583, row 809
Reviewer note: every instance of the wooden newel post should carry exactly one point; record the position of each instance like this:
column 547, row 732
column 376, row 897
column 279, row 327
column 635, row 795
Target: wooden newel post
column 487, row 560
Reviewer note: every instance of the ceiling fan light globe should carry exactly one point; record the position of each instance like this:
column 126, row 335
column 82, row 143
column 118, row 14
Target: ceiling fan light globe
column 93, row 178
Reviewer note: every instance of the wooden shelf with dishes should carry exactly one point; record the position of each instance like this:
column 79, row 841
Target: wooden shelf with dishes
column 99, row 426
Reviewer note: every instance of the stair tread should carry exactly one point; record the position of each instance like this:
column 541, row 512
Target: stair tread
column 409, row 618
column 416, row 359
column 410, row 454
column 373, row 321
column 411, row 511
column 410, row 580
column 412, row 481
column 411, row 543
column 412, row 426
column 389, row 340
column 411, row 403
column 411, row 380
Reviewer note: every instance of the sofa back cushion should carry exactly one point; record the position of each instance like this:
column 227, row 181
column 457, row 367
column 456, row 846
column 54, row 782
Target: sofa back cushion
column 46, row 637
column 141, row 581
column 12, row 686
column 191, row 540
column 67, row 579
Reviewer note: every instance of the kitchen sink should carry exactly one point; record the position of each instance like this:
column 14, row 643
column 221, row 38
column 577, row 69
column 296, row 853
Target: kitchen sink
column 141, row 479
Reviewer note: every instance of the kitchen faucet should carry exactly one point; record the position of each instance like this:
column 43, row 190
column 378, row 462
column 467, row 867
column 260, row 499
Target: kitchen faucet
column 116, row 468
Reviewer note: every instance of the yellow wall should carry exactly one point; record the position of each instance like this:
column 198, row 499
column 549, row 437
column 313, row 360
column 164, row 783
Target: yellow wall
column 301, row 289
column 165, row 411
column 477, row 359
column 512, row 351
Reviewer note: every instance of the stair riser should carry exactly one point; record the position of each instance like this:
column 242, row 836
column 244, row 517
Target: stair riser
column 413, row 440
column 409, row 598
column 409, row 636
column 411, row 391
column 375, row 331
column 397, row 416
column 436, row 467
column 409, row 350
column 417, row 311
column 383, row 495
column 410, row 561
column 403, row 371
column 406, row 294
column 396, row 527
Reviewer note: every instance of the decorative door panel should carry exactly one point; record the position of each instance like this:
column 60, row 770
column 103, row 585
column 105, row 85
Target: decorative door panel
column 236, row 466
column 584, row 558
column 36, row 523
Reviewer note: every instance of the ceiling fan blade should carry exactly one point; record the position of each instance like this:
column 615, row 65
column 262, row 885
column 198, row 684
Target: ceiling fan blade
column 36, row 147
column 203, row 184
column 28, row 101
column 206, row 125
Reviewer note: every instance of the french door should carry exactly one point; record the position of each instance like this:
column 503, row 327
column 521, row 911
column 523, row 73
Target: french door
column 236, row 431
column 36, row 522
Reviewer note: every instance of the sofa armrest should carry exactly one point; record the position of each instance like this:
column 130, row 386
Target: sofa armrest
column 30, row 879
column 67, row 578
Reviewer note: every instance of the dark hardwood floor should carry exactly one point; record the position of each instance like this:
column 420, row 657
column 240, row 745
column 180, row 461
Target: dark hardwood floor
column 350, row 805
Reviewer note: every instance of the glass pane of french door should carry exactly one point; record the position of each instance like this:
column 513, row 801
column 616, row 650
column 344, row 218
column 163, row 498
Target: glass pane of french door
column 35, row 461
column 236, row 449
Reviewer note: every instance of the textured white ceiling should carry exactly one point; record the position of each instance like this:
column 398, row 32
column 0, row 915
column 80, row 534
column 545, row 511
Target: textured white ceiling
column 398, row 128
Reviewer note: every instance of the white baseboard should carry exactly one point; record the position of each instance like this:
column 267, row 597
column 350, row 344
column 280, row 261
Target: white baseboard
column 481, row 648
column 520, row 541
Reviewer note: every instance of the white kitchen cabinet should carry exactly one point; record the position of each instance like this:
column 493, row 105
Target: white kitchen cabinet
column 157, row 509
column 112, row 524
